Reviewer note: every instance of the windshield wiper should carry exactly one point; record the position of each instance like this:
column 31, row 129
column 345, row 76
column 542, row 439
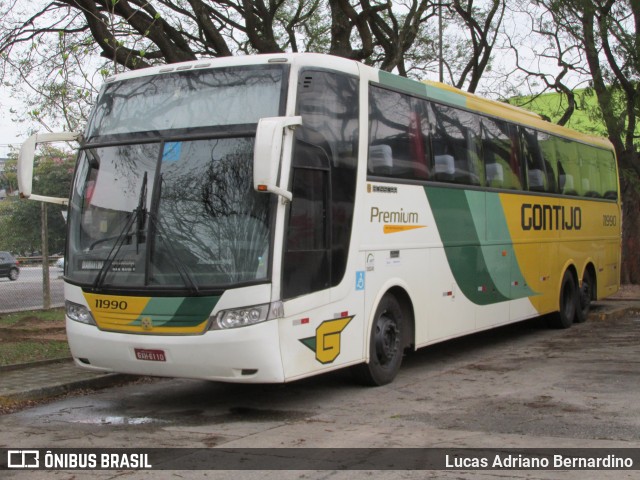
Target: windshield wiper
column 142, row 211
column 139, row 214
column 97, row 283
column 184, row 273
column 156, row 228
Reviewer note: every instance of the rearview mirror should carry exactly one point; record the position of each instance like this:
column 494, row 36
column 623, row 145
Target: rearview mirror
column 26, row 159
column 267, row 152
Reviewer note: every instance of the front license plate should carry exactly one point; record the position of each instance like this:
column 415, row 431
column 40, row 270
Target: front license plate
column 150, row 355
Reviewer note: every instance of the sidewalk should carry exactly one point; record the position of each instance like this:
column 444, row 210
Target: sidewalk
column 40, row 380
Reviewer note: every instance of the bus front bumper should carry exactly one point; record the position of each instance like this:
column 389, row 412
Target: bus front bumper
column 242, row 355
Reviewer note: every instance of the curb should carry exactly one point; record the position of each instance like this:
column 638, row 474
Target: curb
column 104, row 381
column 40, row 363
column 611, row 312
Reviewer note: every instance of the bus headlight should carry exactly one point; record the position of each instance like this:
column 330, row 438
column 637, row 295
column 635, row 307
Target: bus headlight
column 243, row 317
column 79, row 313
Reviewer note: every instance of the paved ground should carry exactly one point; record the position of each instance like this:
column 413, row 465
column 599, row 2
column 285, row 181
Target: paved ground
column 520, row 386
column 41, row 380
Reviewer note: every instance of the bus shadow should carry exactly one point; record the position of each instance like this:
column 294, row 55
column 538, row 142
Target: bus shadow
column 470, row 345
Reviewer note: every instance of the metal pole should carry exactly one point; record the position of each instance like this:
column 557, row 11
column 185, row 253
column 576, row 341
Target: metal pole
column 440, row 59
column 46, row 287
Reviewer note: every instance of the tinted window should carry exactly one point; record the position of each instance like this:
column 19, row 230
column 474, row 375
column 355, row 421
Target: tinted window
column 547, row 146
column 569, row 176
column 608, row 174
column 590, row 173
column 456, row 146
column 534, row 163
column 307, row 226
column 399, row 142
column 500, row 154
column 323, row 183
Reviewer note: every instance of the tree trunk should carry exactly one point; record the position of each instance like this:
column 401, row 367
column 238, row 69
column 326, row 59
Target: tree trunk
column 630, row 271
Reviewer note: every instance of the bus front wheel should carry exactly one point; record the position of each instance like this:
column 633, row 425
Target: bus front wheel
column 385, row 345
column 569, row 302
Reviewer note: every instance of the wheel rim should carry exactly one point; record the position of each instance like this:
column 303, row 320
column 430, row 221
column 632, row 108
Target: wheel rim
column 387, row 339
column 13, row 274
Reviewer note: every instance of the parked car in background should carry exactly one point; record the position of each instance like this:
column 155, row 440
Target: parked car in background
column 9, row 266
column 60, row 263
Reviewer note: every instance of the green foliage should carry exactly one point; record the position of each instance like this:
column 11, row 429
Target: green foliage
column 586, row 118
column 54, row 315
column 20, row 220
column 32, row 336
column 8, row 177
column 33, row 351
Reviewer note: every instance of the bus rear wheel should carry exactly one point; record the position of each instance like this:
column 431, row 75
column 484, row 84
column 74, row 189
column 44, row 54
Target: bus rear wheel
column 568, row 302
column 385, row 345
column 585, row 295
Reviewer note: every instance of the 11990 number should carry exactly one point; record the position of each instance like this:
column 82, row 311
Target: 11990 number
column 609, row 220
column 111, row 304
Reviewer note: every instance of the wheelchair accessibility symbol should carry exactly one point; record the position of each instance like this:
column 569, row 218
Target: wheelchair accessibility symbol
column 359, row 280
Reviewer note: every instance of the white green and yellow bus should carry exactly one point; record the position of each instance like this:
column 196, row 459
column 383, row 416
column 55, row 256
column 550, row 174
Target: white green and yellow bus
column 269, row 218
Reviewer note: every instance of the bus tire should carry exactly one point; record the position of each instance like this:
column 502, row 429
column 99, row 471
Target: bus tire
column 385, row 345
column 585, row 294
column 568, row 302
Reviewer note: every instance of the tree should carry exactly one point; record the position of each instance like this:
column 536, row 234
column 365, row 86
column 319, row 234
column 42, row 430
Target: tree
column 482, row 26
column 600, row 40
column 20, row 220
column 60, row 51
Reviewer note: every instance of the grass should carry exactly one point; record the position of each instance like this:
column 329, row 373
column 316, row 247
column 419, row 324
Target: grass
column 53, row 315
column 32, row 351
column 29, row 343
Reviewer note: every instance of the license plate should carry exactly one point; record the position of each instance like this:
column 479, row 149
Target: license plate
column 150, row 355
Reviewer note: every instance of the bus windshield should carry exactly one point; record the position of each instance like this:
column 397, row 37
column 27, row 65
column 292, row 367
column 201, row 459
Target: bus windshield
column 173, row 212
column 187, row 100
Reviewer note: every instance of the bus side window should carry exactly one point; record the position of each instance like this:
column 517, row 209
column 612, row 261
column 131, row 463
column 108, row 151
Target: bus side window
column 501, row 155
column 455, row 140
column 608, row 175
column 537, row 179
column 546, row 144
column 591, row 181
column 569, row 176
column 399, row 141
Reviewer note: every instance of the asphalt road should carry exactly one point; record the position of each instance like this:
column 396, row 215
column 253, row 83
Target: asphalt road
column 26, row 292
column 519, row 386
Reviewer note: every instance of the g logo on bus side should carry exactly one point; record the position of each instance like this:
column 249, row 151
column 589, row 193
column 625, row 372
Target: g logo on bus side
column 326, row 343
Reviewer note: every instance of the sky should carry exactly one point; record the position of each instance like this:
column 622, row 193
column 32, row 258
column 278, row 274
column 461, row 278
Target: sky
column 15, row 133
column 10, row 133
